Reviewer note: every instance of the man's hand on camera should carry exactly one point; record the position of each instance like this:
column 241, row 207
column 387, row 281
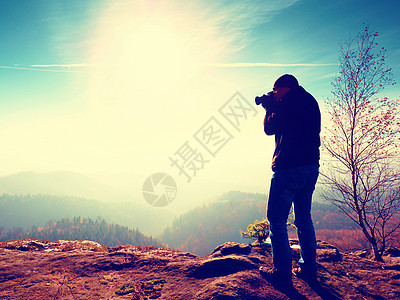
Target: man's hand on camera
column 268, row 102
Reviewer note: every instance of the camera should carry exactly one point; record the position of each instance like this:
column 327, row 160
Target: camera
column 265, row 99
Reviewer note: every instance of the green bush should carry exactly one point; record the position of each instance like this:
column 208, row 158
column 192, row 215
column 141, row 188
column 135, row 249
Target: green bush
column 259, row 230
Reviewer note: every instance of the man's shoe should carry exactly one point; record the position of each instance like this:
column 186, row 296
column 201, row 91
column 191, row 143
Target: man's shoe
column 308, row 276
column 276, row 277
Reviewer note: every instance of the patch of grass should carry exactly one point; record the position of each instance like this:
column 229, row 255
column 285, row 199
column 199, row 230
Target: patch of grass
column 126, row 289
column 149, row 289
column 152, row 288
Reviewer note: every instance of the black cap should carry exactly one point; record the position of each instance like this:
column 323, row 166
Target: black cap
column 286, row 80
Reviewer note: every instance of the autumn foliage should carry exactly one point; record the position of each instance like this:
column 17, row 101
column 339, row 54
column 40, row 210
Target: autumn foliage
column 202, row 229
column 361, row 174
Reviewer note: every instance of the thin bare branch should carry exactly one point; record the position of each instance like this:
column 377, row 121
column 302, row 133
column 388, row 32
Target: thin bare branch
column 364, row 176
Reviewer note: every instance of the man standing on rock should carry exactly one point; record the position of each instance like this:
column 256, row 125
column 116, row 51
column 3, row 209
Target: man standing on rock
column 293, row 116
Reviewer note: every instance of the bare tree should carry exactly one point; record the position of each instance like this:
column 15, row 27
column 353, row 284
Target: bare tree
column 362, row 174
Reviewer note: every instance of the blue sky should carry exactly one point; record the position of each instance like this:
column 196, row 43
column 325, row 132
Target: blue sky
column 119, row 86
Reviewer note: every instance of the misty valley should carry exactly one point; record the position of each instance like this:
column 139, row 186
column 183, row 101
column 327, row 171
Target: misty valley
column 198, row 231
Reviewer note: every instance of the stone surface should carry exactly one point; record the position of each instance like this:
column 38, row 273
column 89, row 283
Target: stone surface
column 231, row 248
column 32, row 269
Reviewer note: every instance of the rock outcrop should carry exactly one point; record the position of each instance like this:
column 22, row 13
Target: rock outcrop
column 33, row 269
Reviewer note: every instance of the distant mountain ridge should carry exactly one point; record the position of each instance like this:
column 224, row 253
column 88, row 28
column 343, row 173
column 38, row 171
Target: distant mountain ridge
column 36, row 210
column 60, row 183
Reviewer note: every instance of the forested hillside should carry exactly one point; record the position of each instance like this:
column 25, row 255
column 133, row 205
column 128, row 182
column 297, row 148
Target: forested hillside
column 79, row 228
column 203, row 228
column 26, row 210
column 198, row 231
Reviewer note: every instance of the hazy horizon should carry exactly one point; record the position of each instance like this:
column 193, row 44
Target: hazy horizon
column 121, row 90
column 116, row 188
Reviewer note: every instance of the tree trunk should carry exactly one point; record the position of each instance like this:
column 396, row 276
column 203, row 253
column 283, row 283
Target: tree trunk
column 370, row 237
column 378, row 255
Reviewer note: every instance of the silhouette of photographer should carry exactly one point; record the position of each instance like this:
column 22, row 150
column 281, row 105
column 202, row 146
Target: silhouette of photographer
column 293, row 117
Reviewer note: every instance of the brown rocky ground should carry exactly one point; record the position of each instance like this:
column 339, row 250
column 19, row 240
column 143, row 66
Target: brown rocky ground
column 33, row 269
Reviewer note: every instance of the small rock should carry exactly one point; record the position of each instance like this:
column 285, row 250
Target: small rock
column 229, row 248
column 329, row 255
column 361, row 253
column 325, row 245
column 392, row 252
column 222, row 266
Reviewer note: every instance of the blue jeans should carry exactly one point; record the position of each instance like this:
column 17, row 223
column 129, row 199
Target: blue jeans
column 295, row 185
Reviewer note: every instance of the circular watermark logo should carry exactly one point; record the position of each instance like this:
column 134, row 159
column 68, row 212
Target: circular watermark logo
column 159, row 189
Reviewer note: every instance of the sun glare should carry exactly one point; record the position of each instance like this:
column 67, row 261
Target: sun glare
column 145, row 56
column 157, row 56
column 149, row 64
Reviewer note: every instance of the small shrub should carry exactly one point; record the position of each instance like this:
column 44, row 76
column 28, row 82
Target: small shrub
column 259, row 230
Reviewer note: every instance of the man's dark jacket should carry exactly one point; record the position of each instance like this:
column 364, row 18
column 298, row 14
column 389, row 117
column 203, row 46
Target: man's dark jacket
column 295, row 120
